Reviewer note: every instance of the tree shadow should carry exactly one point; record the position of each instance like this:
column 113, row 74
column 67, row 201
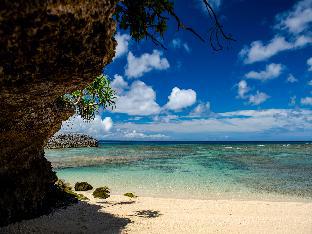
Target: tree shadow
column 77, row 218
column 147, row 213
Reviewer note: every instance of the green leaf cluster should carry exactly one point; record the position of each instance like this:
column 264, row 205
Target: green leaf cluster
column 144, row 18
column 88, row 101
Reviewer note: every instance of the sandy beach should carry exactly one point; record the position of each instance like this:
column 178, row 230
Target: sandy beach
column 120, row 214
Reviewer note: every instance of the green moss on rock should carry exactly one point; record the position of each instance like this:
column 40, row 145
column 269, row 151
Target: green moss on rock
column 102, row 192
column 131, row 195
column 83, row 186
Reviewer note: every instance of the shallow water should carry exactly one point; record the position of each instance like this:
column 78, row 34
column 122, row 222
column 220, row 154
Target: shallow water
column 192, row 170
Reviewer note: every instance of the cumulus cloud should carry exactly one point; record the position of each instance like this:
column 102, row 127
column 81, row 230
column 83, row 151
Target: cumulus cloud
column 310, row 83
column 180, row 98
column 122, row 44
column 138, row 66
column 119, row 84
column 297, row 20
column 293, row 24
column 177, row 44
column 271, row 71
column 306, row 101
column 243, row 89
column 98, row 128
column 291, row 79
column 202, row 109
column 309, row 62
column 139, row 99
column 258, row 51
column 258, row 98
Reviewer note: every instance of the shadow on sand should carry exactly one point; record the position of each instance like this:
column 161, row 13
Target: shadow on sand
column 77, row 218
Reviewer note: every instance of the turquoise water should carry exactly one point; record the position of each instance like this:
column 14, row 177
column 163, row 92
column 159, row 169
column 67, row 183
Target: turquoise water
column 192, row 170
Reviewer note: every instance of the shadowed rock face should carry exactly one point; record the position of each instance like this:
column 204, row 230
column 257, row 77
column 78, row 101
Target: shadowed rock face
column 47, row 48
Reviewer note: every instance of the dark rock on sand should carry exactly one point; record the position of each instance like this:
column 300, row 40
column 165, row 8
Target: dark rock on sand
column 101, row 192
column 83, row 186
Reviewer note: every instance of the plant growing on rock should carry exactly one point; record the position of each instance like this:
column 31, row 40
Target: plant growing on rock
column 88, row 101
column 101, row 192
column 63, row 194
column 131, row 195
column 83, row 186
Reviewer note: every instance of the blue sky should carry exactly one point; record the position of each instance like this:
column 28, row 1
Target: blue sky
column 258, row 89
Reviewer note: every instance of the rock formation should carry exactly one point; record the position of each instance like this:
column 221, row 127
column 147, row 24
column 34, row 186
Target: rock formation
column 71, row 141
column 83, row 186
column 47, row 48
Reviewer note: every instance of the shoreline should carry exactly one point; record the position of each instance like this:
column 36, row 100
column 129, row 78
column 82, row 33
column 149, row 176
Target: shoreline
column 245, row 198
column 120, row 214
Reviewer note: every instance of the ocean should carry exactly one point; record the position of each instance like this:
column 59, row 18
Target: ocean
column 199, row 170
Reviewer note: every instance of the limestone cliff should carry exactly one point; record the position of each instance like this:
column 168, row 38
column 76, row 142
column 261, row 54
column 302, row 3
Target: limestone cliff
column 71, row 140
column 47, row 48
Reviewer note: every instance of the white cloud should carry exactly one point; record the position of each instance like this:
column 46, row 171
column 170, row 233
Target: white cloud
column 180, row 98
column 137, row 66
column 165, row 118
column 122, row 44
column 107, row 123
column 291, row 79
column 258, row 98
column 177, row 44
column 139, row 99
column 297, row 20
column 98, row 128
column 186, row 47
column 257, row 51
column 306, row 101
column 271, row 71
column 253, row 99
column 214, row 3
column 293, row 100
column 309, row 62
column 291, row 122
column 274, row 124
column 310, row 83
column 118, row 84
column 243, row 89
column 294, row 24
column 202, row 109
column 140, row 135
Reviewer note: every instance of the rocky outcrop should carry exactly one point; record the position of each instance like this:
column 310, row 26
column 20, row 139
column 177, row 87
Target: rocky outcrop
column 83, row 186
column 47, row 48
column 71, row 141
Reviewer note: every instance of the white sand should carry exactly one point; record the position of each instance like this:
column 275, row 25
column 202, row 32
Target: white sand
column 120, row 214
